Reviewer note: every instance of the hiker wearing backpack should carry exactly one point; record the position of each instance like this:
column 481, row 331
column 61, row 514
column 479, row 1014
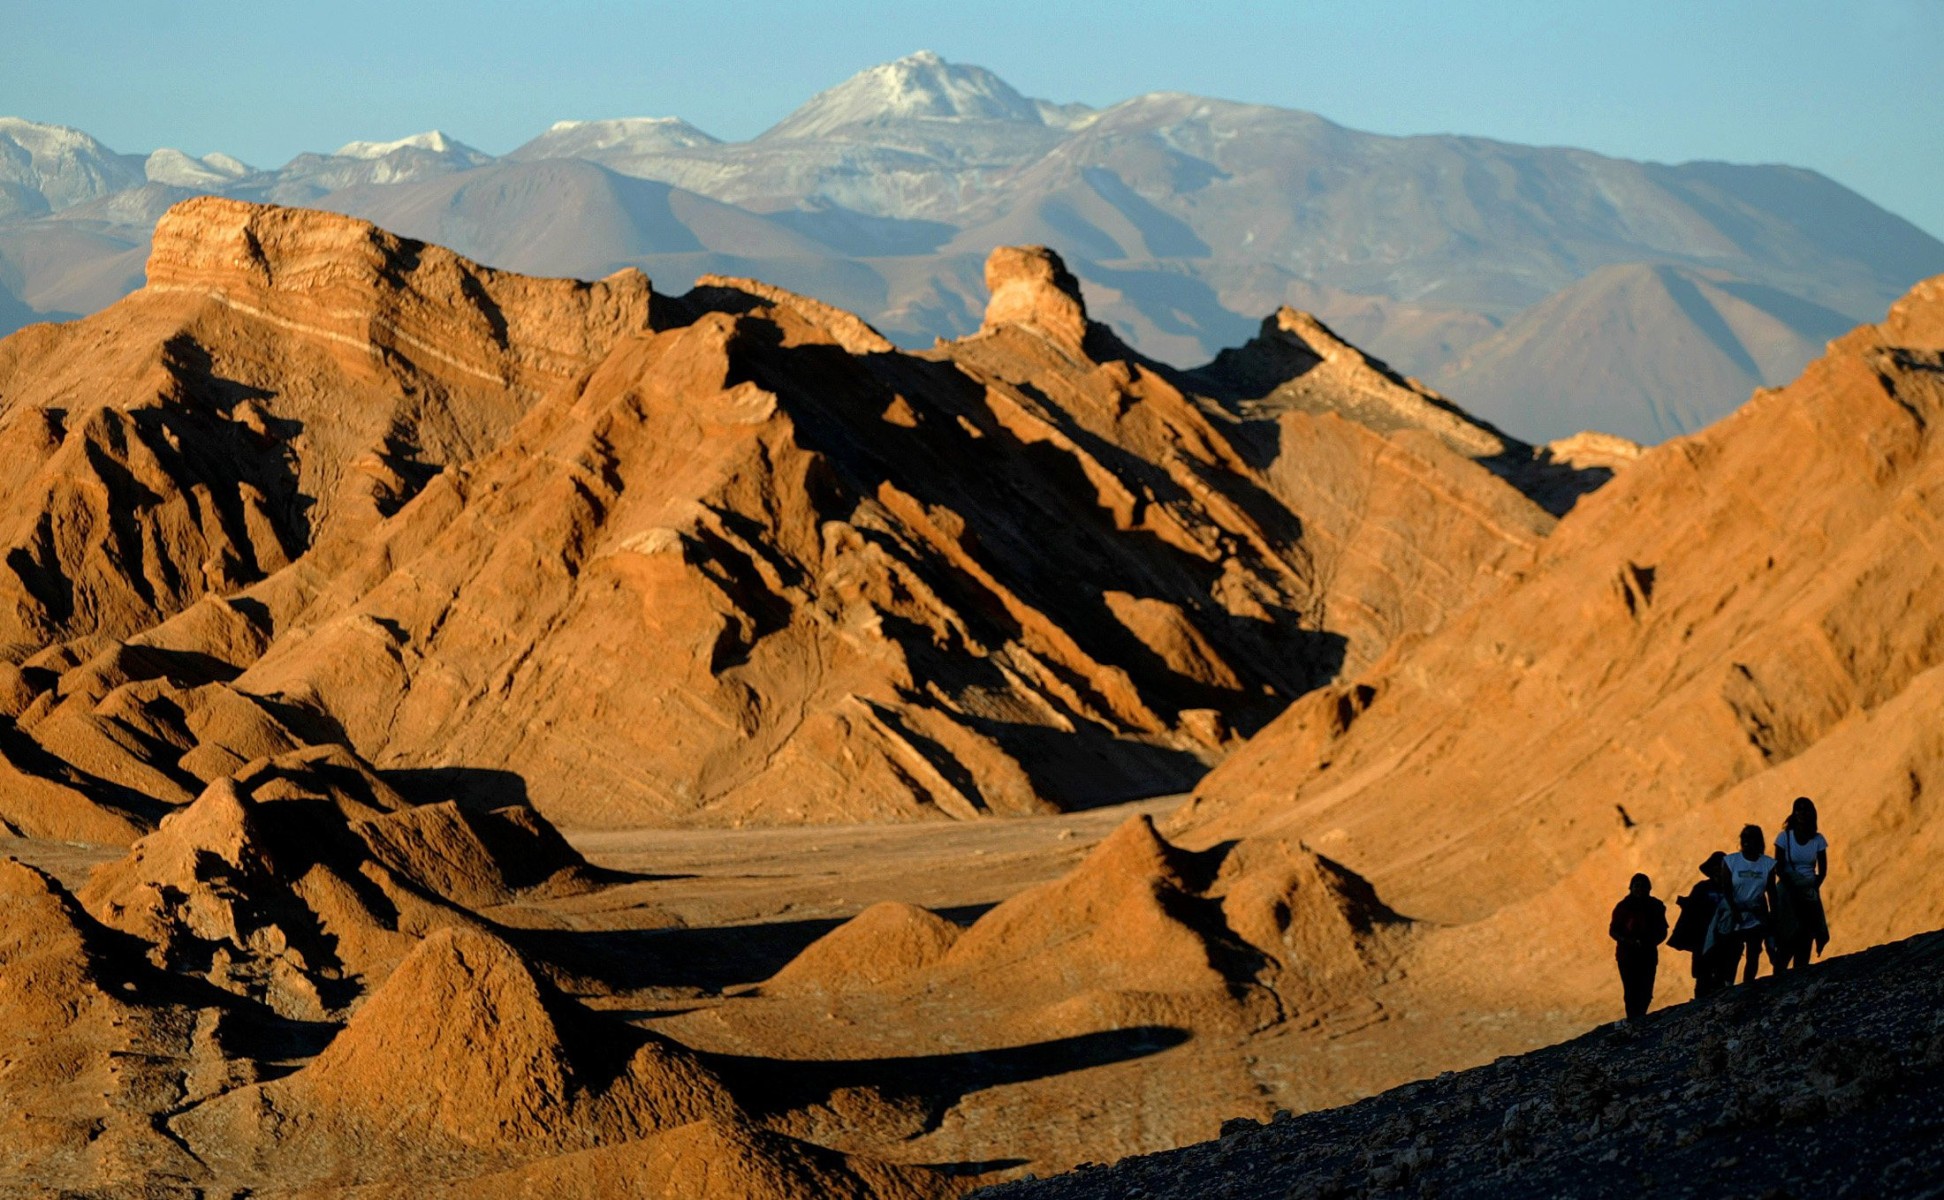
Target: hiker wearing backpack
column 1638, row 927
column 1802, row 863
column 1751, row 881
column 1706, row 929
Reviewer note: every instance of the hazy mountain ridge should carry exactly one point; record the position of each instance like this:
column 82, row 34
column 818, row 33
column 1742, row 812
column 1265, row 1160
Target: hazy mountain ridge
column 1574, row 358
column 1185, row 215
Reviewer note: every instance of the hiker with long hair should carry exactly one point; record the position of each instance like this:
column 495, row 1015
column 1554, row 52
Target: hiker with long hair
column 1751, row 880
column 1638, row 927
column 1802, row 863
column 1706, row 929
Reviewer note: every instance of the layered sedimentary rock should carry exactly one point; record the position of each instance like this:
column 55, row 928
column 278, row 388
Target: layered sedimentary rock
column 281, row 374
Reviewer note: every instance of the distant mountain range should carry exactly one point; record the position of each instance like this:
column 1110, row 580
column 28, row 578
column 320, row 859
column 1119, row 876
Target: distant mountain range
column 1550, row 289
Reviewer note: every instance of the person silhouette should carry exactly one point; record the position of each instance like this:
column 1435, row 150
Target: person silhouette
column 1638, row 927
column 1751, row 878
column 1706, row 929
column 1802, row 863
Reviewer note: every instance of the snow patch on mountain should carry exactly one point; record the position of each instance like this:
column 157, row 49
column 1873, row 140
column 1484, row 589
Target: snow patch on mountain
column 177, row 169
column 433, row 140
column 618, row 136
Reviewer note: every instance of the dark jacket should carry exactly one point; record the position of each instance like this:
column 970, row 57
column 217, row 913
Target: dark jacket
column 1639, row 925
column 1698, row 910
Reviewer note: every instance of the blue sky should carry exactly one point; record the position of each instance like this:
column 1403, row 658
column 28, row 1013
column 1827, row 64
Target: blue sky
column 1848, row 87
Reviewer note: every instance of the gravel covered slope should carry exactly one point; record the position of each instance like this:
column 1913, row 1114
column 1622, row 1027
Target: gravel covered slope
column 1826, row 1083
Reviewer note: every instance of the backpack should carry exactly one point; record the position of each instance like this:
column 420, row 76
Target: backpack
column 1698, row 909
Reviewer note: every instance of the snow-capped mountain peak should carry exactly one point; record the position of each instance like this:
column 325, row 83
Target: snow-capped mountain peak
column 52, row 167
column 920, row 85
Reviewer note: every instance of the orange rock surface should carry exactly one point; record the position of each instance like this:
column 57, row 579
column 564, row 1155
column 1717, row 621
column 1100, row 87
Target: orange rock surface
column 343, row 570
column 720, row 559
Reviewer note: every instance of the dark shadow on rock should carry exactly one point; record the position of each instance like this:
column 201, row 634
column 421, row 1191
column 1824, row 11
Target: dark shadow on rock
column 1551, row 484
column 1006, row 491
column 984, row 1167
column 962, row 915
column 476, row 789
column 1090, row 767
column 26, row 755
column 197, row 436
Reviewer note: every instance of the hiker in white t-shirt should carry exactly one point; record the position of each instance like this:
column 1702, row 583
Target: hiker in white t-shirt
column 1802, row 863
column 1751, row 880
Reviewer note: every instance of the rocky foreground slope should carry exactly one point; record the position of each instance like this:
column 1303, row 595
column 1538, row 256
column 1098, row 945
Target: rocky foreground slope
column 1824, row 1083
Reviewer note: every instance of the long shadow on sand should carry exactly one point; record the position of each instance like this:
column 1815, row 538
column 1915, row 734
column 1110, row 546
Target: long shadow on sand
column 778, row 1085
column 708, row 958
column 705, row 958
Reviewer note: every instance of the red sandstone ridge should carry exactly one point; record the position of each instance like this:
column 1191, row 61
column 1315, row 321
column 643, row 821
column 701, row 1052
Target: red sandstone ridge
column 282, row 374
column 721, row 558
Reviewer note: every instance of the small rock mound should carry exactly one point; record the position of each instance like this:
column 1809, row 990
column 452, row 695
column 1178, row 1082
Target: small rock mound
column 477, row 859
column 1140, row 931
column 304, row 880
column 718, row 1159
column 1320, row 924
column 1126, row 915
column 886, row 941
column 464, row 1059
column 1031, row 286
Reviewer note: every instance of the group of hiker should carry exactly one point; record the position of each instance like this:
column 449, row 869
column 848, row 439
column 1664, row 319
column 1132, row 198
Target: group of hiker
column 1745, row 903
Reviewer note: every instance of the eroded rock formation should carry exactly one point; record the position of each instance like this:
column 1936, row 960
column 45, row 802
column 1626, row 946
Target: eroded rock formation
column 1744, row 616
column 724, row 558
